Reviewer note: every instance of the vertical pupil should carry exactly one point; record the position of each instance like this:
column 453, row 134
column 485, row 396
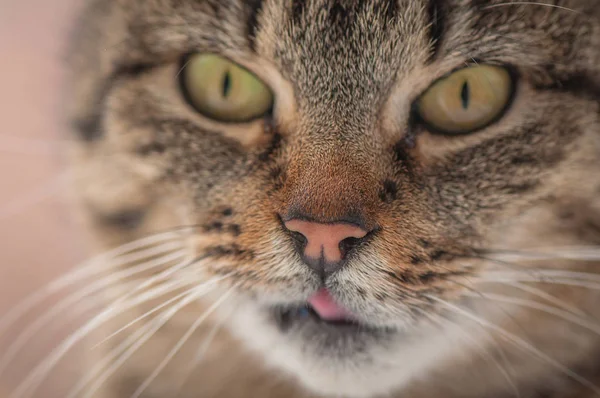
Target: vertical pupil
column 226, row 84
column 465, row 95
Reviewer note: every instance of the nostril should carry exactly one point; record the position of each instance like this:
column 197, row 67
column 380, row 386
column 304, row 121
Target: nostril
column 349, row 244
column 299, row 240
column 299, row 237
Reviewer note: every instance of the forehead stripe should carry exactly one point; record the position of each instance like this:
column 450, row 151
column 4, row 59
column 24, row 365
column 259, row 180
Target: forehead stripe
column 437, row 16
column 255, row 7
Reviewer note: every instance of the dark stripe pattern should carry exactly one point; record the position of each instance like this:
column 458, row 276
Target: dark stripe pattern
column 255, row 8
column 437, row 16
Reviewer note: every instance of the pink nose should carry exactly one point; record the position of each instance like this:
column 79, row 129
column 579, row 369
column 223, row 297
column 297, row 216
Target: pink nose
column 323, row 240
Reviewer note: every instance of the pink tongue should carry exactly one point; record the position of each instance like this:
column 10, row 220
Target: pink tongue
column 326, row 308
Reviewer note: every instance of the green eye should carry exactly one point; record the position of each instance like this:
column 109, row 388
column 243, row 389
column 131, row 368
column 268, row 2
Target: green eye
column 224, row 91
column 466, row 100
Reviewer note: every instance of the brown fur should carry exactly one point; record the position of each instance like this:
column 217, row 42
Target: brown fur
column 342, row 145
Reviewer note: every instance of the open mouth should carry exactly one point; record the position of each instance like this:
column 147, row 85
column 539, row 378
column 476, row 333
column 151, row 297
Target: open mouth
column 320, row 308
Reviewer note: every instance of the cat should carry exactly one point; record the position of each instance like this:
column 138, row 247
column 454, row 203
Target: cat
column 340, row 198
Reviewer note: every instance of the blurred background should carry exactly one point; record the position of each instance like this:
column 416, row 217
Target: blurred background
column 38, row 238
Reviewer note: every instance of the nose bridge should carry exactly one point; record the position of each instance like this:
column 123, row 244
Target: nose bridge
column 330, row 199
column 329, row 186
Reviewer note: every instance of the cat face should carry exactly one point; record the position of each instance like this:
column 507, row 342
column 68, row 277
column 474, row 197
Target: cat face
column 339, row 190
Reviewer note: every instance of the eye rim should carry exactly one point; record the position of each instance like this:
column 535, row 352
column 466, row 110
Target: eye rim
column 185, row 93
column 514, row 76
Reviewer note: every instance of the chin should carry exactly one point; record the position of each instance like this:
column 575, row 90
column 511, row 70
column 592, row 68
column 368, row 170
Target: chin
column 346, row 356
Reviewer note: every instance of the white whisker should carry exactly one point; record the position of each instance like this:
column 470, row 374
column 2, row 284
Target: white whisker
column 181, row 343
column 568, row 316
column 570, row 278
column 91, row 268
column 162, row 290
column 156, row 325
column 577, row 253
column 155, row 309
column 519, row 342
column 548, row 297
column 161, row 276
column 529, row 3
column 501, row 353
column 100, row 365
column 35, row 378
column 127, row 342
column 75, row 298
column 483, row 352
column 199, row 357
